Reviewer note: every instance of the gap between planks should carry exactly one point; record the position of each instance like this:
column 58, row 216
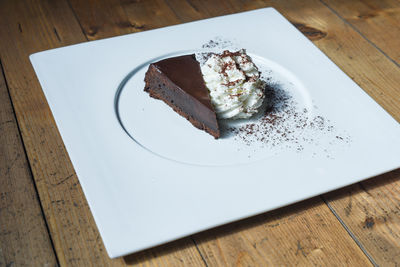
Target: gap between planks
column 77, row 19
column 352, row 235
column 3, row 74
column 198, row 250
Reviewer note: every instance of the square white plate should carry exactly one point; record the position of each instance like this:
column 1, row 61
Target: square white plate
column 167, row 179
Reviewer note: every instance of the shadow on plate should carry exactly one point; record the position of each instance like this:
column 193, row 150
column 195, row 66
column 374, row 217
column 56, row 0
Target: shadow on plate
column 276, row 101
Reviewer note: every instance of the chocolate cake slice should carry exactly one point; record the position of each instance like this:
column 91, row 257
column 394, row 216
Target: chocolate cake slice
column 179, row 83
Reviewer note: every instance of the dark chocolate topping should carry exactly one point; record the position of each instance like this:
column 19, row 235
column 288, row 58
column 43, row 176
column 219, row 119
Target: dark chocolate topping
column 185, row 72
column 179, row 83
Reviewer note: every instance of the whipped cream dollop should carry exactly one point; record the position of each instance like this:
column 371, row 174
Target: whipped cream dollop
column 236, row 89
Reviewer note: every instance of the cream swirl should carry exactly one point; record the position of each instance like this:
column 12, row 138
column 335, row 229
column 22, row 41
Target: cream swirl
column 236, row 89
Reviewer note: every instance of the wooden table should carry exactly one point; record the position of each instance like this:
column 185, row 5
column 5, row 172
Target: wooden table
column 44, row 216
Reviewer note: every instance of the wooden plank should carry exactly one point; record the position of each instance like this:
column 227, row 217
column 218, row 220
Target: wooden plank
column 177, row 253
column 23, row 233
column 190, row 10
column 30, row 27
column 101, row 19
column 303, row 234
column 110, row 16
column 376, row 20
column 149, row 14
column 371, row 211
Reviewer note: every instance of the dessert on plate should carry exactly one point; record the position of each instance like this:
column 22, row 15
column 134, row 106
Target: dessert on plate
column 225, row 86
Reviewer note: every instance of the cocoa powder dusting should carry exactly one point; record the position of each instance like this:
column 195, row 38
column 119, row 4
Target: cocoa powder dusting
column 281, row 123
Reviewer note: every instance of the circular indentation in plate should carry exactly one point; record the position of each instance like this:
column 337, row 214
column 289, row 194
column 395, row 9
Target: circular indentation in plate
column 156, row 127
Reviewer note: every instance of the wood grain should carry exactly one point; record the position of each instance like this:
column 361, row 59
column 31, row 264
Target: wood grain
column 24, row 238
column 376, row 20
column 107, row 18
column 371, row 211
column 303, row 234
column 101, row 11
column 38, row 26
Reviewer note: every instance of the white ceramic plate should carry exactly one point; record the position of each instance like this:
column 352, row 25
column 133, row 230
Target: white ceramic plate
column 150, row 177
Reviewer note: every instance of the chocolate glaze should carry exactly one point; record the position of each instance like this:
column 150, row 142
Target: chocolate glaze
column 179, row 83
column 185, row 72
